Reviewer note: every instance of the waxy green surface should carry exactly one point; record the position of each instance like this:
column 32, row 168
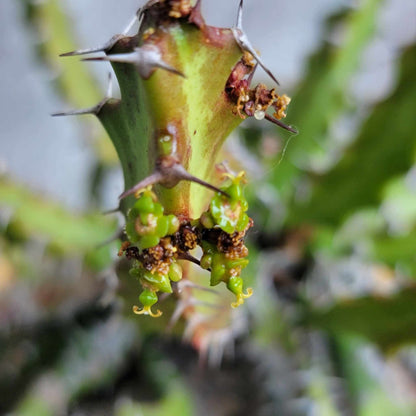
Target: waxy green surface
column 194, row 110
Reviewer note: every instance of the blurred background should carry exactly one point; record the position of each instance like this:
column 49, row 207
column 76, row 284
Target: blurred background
column 332, row 325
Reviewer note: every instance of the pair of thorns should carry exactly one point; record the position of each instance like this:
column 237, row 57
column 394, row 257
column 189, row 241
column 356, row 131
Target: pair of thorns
column 168, row 171
column 148, row 57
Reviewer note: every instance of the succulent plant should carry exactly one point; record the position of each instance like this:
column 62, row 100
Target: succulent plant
column 184, row 86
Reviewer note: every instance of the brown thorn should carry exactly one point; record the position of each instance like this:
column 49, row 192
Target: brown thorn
column 171, row 69
column 186, row 256
column 280, row 124
column 90, row 110
column 152, row 179
column 183, row 174
column 196, row 15
column 242, row 40
column 169, row 173
column 147, row 6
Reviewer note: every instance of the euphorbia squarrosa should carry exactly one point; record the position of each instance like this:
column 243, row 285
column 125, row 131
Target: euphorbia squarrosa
column 184, row 87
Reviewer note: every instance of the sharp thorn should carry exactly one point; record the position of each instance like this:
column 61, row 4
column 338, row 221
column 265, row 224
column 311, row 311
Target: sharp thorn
column 188, row 257
column 96, row 58
column 267, row 70
column 139, row 13
column 196, row 15
column 145, row 59
column 152, row 179
column 245, row 45
column 242, row 40
column 111, row 211
column 169, row 176
column 208, row 185
column 81, row 52
column 107, row 46
column 169, row 68
column 240, row 16
column 183, row 174
column 198, row 5
column 91, row 110
column 147, row 6
column 132, row 22
column 192, row 259
column 280, row 124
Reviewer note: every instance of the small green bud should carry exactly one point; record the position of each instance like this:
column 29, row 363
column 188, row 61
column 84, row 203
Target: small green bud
column 217, row 273
column 148, row 241
column 150, row 278
column 144, row 204
column 175, row 272
column 244, row 204
column 242, row 223
column 157, row 281
column 165, row 145
column 207, row 220
column 173, row 224
column 148, row 297
column 219, row 207
column 235, row 192
column 229, row 212
column 162, row 226
column 164, row 283
column 158, row 210
column 235, row 284
column 206, row 261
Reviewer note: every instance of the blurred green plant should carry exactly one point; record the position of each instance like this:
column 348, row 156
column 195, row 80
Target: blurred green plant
column 334, row 267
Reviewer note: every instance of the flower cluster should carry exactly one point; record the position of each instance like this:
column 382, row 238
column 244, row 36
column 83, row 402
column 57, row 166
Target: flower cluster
column 225, row 255
column 146, row 223
column 156, row 241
